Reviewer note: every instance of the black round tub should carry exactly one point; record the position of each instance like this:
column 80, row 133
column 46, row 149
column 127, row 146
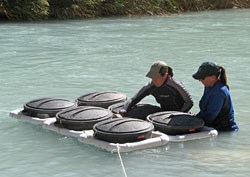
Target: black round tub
column 101, row 99
column 46, row 107
column 82, row 117
column 139, row 111
column 123, row 130
column 175, row 123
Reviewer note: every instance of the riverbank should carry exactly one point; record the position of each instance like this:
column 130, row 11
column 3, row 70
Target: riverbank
column 72, row 9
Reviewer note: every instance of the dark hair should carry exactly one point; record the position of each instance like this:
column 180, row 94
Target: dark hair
column 170, row 72
column 163, row 70
column 167, row 69
column 223, row 77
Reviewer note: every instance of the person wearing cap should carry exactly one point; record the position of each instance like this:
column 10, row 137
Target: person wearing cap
column 216, row 108
column 168, row 92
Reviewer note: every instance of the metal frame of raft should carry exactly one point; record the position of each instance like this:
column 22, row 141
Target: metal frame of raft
column 87, row 136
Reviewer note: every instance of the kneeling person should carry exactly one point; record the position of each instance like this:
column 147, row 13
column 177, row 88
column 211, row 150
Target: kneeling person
column 168, row 92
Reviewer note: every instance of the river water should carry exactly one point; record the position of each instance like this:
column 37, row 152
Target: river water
column 67, row 59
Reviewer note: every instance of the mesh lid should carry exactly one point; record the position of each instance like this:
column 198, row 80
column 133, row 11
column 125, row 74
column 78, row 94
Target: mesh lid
column 104, row 97
column 115, row 108
column 49, row 104
column 123, row 125
column 85, row 113
column 175, row 119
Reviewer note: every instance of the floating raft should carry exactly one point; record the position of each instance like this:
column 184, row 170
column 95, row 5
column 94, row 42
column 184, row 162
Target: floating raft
column 87, row 136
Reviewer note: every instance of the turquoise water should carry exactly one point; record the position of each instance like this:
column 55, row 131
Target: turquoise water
column 67, row 59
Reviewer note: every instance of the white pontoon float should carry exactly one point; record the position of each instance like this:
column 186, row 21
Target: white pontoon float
column 87, row 136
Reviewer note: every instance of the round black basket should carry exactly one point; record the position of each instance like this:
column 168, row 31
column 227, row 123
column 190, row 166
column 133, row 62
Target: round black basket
column 139, row 111
column 82, row 117
column 101, row 99
column 175, row 123
column 46, row 107
column 123, row 130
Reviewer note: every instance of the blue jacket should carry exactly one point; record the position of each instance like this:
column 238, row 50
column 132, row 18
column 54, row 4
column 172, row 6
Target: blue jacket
column 216, row 108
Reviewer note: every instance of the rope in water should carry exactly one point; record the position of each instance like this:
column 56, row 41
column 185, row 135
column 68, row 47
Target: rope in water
column 119, row 154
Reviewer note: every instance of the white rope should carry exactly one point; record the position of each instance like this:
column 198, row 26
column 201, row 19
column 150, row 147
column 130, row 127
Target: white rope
column 123, row 168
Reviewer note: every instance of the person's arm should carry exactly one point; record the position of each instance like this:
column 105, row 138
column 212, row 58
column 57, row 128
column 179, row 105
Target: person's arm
column 143, row 92
column 212, row 108
column 188, row 102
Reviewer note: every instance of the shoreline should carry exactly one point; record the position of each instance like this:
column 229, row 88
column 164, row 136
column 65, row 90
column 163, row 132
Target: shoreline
column 30, row 10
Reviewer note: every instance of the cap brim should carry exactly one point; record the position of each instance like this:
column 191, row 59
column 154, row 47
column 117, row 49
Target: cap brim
column 152, row 75
column 197, row 76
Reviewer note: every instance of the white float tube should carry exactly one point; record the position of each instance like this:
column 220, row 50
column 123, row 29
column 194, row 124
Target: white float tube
column 87, row 136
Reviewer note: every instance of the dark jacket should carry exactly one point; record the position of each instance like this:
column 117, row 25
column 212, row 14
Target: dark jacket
column 216, row 108
column 172, row 96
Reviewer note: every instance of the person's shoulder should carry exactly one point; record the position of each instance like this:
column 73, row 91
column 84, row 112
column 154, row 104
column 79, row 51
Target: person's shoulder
column 220, row 90
column 224, row 90
column 172, row 80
